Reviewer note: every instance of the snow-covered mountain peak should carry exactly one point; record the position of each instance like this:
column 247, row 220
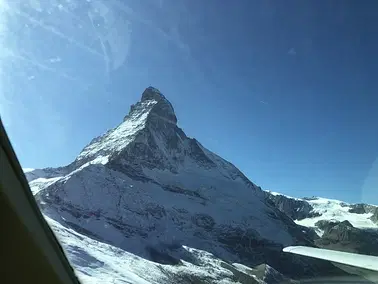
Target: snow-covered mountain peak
column 147, row 188
column 163, row 108
column 152, row 93
column 152, row 112
column 149, row 139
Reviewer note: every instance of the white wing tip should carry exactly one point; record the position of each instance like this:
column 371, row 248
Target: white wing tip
column 291, row 248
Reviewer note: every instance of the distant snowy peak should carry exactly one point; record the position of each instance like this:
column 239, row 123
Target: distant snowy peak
column 47, row 173
column 309, row 211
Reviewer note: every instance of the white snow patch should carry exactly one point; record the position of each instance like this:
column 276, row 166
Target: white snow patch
column 41, row 183
column 331, row 209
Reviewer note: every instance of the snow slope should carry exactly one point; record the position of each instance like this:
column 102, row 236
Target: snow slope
column 96, row 262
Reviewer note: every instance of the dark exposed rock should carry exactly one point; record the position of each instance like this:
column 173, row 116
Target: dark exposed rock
column 326, row 224
column 343, row 236
column 131, row 170
column 374, row 218
column 162, row 257
column 155, row 210
column 340, row 231
column 310, row 198
column 163, row 109
column 180, row 190
column 296, row 209
column 242, row 277
column 198, row 155
column 357, row 208
column 204, row 221
column 273, row 276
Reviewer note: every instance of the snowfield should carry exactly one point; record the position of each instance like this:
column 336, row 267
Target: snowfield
column 331, row 209
column 326, row 209
column 38, row 184
column 95, row 262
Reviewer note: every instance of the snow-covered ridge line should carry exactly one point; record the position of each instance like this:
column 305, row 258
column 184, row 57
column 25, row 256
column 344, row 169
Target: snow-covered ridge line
column 277, row 193
column 318, row 200
column 118, row 138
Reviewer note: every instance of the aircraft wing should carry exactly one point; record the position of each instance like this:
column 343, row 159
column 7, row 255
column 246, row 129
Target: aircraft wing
column 363, row 265
column 352, row 259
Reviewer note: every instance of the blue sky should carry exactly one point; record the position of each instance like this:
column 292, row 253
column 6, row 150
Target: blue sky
column 286, row 90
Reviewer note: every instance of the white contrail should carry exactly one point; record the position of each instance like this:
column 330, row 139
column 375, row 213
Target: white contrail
column 9, row 53
column 113, row 37
column 128, row 10
column 58, row 33
column 105, row 53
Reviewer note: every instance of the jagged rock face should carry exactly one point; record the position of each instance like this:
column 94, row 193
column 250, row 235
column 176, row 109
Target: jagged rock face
column 343, row 236
column 358, row 208
column 296, row 209
column 339, row 231
column 374, row 218
column 362, row 208
column 163, row 109
column 326, row 224
column 146, row 187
